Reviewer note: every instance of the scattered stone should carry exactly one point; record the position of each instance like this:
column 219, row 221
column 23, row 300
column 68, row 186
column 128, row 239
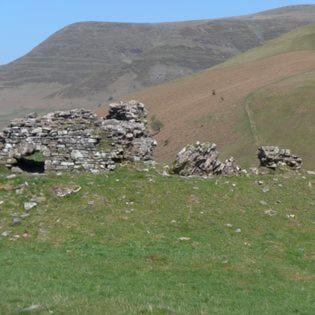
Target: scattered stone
column 238, row 230
column 24, row 215
column 6, row 233
column 16, row 221
column 184, row 238
column 16, row 170
column 265, row 189
column 38, row 199
column 274, row 157
column 254, row 170
column 22, row 187
column 62, row 191
column 244, row 172
column 259, row 182
column 290, row 216
column 271, row 212
column 201, row 159
column 263, row 202
column 310, row 172
column 32, row 308
column 229, row 225
column 29, row 205
column 12, row 176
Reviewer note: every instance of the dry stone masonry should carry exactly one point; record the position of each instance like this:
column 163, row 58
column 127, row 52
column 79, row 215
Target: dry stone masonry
column 201, row 159
column 78, row 139
column 273, row 157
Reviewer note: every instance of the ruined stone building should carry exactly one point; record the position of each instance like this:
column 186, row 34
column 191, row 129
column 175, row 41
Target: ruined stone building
column 77, row 139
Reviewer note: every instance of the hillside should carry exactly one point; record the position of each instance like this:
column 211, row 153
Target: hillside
column 136, row 242
column 264, row 96
column 87, row 63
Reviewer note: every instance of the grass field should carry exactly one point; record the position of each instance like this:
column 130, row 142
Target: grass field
column 115, row 246
column 303, row 38
column 287, row 107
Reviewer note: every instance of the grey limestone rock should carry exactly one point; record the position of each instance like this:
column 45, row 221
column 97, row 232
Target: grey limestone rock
column 274, row 157
column 201, row 159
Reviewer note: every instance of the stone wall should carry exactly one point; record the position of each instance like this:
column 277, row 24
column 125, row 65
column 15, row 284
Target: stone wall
column 79, row 139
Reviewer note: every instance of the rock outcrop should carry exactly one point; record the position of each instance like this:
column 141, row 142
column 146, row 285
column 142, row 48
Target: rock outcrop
column 273, row 157
column 201, row 159
column 78, row 139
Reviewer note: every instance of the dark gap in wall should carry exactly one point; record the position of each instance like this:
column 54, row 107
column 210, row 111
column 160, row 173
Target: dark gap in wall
column 30, row 166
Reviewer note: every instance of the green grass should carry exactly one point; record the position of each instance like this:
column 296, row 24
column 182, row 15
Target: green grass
column 37, row 156
column 121, row 254
column 287, row 107
column 302, row 38
column 156, row 124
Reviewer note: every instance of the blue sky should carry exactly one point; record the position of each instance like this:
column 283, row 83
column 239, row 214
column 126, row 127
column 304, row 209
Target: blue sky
column 25, row 23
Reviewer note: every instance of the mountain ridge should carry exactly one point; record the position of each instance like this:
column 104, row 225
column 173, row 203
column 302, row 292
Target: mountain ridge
column 87, row 63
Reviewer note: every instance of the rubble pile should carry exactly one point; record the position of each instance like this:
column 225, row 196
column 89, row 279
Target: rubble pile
column 201, row 159
column 273, row 157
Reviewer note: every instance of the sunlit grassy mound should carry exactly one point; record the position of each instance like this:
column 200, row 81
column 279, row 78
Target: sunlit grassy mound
column 136, row 242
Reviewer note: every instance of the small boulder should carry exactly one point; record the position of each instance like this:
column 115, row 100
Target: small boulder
column 6, row 233
column 62, row 191
column 273, row 157
column 16, row 170
column 16, row 221
column 29, row 205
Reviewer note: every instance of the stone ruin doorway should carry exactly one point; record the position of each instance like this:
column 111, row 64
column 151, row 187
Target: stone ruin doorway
column 33, row 163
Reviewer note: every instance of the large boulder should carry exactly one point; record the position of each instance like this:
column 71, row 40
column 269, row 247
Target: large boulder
column 273, row 157
column 201, row 159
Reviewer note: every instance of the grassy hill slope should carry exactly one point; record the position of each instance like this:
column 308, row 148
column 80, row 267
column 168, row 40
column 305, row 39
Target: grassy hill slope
column 115, row 246
column 287, row 107
column 244, row 112
column 88, row 63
